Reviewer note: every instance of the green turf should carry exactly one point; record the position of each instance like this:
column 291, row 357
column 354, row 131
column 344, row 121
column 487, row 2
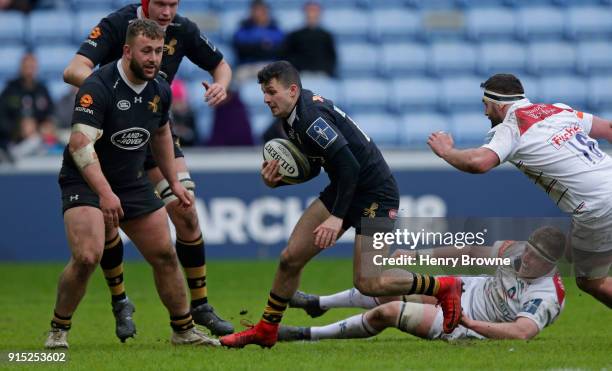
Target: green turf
column 581, row 337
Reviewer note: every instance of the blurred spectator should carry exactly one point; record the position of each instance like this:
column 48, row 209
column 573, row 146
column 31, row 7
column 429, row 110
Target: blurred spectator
column 183, row 121
column 21, row 5
column 257, row 40
column 311, row 48
column 231, row 124
column 25, row 109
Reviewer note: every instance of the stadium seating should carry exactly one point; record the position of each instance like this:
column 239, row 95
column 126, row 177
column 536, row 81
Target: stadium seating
column 324, row 86
column 414, row 94
column 415, row 128
column 347, row 24
column 589, row 22
column 551, row 57
column 364, row 94
column 463, row 58
column 10, row 57
column 51, row 26
column 499, row 56
column 57, row 89
column 403, row 58
column 380, row 126
column 289, row 19
column 251, row 95
column 571, row 90
column 542, row 22
column 12, row 27
column 490, row 23
column 600, row 94
column 54, row 59
column 469, row 128
column 594, row 57
column 260, row 122
column 358, row 59
column 85, row 22
column 394, row 24
column 461, row 93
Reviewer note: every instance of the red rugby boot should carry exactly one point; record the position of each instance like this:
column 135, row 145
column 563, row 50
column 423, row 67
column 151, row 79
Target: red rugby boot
column 263, row 334
column 449, row 298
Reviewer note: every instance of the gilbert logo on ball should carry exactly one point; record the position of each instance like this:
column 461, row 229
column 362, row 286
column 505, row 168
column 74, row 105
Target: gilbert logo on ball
column 294, row 165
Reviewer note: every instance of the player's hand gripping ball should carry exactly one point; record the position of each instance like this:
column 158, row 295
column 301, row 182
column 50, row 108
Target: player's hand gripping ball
column 294, row 165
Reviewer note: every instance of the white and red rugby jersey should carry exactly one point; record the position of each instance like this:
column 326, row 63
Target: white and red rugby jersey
column 550, row 143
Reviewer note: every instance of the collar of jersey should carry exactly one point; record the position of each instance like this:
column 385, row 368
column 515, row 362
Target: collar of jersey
column 292, row 116
column 138, row 88
column 516, row 105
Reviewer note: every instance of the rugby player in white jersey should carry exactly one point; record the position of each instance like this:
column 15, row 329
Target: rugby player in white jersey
column 516, row 303
column 556, row 147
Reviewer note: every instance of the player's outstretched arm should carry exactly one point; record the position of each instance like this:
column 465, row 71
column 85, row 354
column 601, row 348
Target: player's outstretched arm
column 82, row 151
column 79, row 68
column 163, row 152
column 601, row 129
column 473, row 160
column 216, row 92
column 522, row 329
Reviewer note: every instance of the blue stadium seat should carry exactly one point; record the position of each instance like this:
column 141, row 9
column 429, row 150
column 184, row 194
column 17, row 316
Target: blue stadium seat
column 10, row 58
column 347, row 23
column 51, row 26
column 358, row 59
column 499, row 56
column 229, row 21
column 52, row 60
column 452, row 57
column 97, row 5
column 252, row 97
column 600, row 94
column 412, row 94
column 531, row 87
column 195, row 94
column 259, row 124
column 394, row 24
column 415, row 128
column 289, row 19
column 551, row 56
column 57, row 89
column 470, row 128
column 594, row 57
column 461, row 93
column 364, row 94
column 589, row 22
column 403, row 59
column 12, row 27
column 490, row 23
column 85, row 22
column 380, row 126
column 204, row 124
column 567, row 89
column 542, row 22
column 326, row 87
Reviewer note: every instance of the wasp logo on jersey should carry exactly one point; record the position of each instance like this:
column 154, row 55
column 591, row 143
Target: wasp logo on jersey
column 153, row 105
column 370, row 212
column 170, row 47
column 322, row 133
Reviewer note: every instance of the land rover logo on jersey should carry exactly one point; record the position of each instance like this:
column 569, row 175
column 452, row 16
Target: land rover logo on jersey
column 130, row 139
column 123, row 105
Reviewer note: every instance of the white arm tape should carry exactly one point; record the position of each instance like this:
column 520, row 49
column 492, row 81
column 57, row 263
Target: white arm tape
column 85, row 156
column 93, row 134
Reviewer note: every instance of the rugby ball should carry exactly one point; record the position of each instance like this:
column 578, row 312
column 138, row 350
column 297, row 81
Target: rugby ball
column 294, row 165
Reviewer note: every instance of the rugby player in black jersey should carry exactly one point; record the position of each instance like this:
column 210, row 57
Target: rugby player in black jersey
column 119, row 110
column 183, row 39
column 361, row 184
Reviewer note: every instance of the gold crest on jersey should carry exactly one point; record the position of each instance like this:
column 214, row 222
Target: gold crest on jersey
column 153, row 105
column 370, row 212
column 170, row 47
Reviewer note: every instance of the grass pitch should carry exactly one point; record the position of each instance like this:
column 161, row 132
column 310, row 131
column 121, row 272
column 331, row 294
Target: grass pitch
column 580, row 339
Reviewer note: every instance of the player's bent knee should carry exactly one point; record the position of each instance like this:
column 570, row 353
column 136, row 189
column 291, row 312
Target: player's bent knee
column 288, row 262
column 587, row 285
column 369, row 286
column 184, row 219
column 385, row 315
column 85, row 263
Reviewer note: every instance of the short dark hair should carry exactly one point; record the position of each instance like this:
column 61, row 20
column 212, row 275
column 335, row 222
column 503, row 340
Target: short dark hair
column 283, row 71
column 549, row 241
column 145, row 27
column 503, row 83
